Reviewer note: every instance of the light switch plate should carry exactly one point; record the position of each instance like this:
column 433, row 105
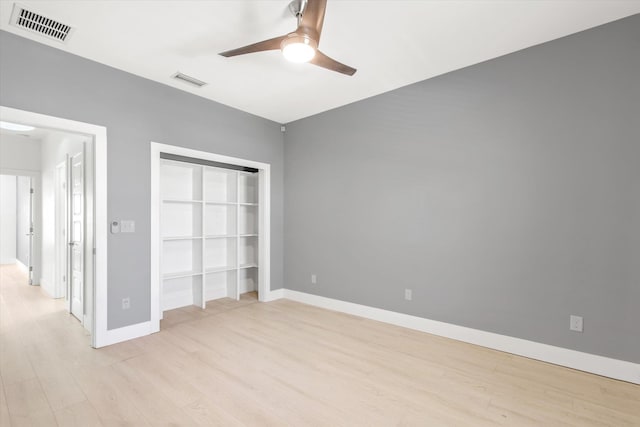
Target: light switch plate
column 127, row 226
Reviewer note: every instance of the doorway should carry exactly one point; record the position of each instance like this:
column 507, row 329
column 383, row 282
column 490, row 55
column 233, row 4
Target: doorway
column 38, row 219
column 17, row 223
column 24, row 224
column 226, row 249
column 73, row 204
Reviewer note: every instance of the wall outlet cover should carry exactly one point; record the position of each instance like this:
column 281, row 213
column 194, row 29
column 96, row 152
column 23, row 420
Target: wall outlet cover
column 408, row 294
column 575, row 323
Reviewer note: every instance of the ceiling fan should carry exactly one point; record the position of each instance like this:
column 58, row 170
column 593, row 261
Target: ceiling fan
column 302, row 44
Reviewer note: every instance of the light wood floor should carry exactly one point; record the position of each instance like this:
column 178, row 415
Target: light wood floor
column 279, row 363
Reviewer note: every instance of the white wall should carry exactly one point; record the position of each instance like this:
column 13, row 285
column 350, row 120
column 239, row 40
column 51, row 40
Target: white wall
column 55, row 147
column 7, row 219
column 19, row 152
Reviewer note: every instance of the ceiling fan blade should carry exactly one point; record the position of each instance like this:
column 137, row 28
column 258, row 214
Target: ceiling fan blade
column 313, row 18
column 322, row 60
column 271, row 44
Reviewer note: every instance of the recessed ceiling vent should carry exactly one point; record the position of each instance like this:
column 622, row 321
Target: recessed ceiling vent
column 188, row 79
column 36, row 23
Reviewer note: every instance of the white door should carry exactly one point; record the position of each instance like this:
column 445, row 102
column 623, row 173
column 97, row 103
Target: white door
column 61, row 221
column 24, row 223
column 77, row 236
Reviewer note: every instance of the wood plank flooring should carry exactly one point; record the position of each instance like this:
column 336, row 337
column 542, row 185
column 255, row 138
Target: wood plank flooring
column 274, row 364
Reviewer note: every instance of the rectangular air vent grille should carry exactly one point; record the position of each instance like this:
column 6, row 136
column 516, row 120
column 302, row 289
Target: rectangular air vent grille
column 37, row 23
column 188, row 79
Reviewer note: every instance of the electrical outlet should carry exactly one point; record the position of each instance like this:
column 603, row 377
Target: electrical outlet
column 408, row 294
column 575, row 323
column 126, row 303
column 314, row 279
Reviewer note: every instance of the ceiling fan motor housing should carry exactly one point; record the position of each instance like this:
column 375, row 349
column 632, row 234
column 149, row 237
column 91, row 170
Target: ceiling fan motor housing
column 294, row 38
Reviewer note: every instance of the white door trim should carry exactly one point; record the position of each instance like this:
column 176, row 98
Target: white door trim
column 264, row 243
column 61, row 224
column 100, row 335
column 77, row 239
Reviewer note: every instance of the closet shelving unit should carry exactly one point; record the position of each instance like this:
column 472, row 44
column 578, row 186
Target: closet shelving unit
column 209, row 233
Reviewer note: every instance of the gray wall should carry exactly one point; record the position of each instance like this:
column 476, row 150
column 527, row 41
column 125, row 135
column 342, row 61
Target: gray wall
column 506, row 195
column 136, row 111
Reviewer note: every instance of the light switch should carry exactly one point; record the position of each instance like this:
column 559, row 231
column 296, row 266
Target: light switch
column 127, row 226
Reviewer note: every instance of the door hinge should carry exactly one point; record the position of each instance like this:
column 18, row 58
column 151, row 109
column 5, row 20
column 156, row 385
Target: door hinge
column 30, row 268
column 64, row 278
column 31, row 190
column 94, row 251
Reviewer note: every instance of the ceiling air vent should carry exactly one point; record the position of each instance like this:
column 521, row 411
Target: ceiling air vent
column 36, row 23
column 188, row 79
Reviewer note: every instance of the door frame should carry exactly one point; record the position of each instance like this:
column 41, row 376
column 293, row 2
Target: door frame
column 100, row 335
column 31, row 220
column 36, row 204
column 71, row 218
column 264, row 214
column 61, row 219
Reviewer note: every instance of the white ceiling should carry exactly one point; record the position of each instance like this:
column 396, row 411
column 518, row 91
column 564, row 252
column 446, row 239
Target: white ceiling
column 39, row 134
column 391, row 43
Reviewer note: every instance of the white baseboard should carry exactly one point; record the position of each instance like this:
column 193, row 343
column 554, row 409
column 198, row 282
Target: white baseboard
column 23, row 268
column 273, row 295
column 177, row 300
column 49, row 290
column 114, row 336
column 600, row 365
column 44, row 288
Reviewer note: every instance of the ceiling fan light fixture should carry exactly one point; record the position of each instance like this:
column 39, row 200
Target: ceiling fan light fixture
column 299, row 48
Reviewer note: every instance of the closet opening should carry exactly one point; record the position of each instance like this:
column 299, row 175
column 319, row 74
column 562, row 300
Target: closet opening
column 210, row 229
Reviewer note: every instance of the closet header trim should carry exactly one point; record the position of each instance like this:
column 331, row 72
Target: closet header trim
column 196, row 161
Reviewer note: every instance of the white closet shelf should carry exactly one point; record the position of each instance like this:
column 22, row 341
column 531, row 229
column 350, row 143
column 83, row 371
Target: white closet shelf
column 170, row 238
column 220, row 269
column 181, row 201
column 209, row 227
column 212, row 202
column 250, row 265
column 179, row 274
